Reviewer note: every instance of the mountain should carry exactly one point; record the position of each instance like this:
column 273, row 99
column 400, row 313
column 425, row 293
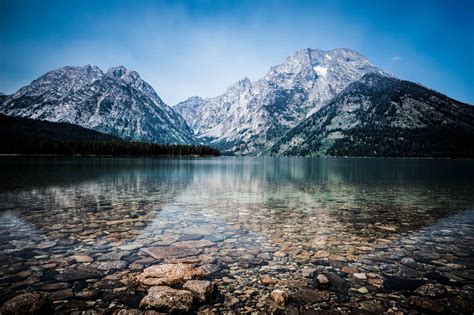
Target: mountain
column 116, row 102
column 251, row 116
column 379, row 115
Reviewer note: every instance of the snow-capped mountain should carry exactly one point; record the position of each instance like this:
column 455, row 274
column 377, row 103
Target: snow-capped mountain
column 379, row 115
column 251, row 116
column 117, row 102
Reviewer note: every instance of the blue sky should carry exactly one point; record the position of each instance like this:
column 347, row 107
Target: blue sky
column 185, row 48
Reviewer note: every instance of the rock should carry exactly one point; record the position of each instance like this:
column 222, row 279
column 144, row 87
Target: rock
column 203, row 290
column 169, row 274
column 426, row 256
column 82, row 258
column 308, row 272
column 337, row 257
column 310, row 296
column 172, row 251
column 45, row 245
column 27, row 303
column 348, row 269
column 190, row 237
column 79, row 273
column 109, row 266
column 54, row 286
column 87, row 294
column 279, row 297
column 363, row 290
column 267, row 280
column 399, row 284
column 431, row 290
column 337, row 283
column 361, row 276
column 387, row 228
column 409, row 262
column 167, row 299
column 195, row 244
column 372, row 307
column 425, row 304
column 61, row 295
column 209, row 269
column 322, row 282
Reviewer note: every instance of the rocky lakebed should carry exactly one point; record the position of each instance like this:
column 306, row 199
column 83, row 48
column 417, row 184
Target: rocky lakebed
column 135, row 245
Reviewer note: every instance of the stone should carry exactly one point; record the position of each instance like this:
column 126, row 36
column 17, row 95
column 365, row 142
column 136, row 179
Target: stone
column 61, row 295
column 195, row 244
column 387, row 228
column 337, row 283
column 361, row 276
column 166, row 299
column 363, row 290
column 172, row 251
column 348, row 269
column 310, row 296
column 431, row 290
column 169, row 274
column 109, row 266
column 27, row 303
column 308, row 272
column 280, row 297
column 337, row 257
column 79, row 273
column 45, row 245
column 202, row 290
column 409, row 262
column 425, row 304
column 322, row 282
column 372, row 307
column 82, row 258
column 267, row 280
column 209, row 269
column 54, row 286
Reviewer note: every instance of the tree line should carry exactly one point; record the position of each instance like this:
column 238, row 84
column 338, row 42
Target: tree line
column 40, row 146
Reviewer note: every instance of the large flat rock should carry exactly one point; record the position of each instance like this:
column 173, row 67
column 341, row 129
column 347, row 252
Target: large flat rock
column 172, row 251
column 169, row 274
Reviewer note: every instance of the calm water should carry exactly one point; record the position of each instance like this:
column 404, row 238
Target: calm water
column 388, row 221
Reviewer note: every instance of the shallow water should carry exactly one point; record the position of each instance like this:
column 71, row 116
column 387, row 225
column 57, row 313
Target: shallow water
column 289, row 219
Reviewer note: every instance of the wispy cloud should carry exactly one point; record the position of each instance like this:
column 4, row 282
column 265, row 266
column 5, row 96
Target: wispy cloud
column 396, row 59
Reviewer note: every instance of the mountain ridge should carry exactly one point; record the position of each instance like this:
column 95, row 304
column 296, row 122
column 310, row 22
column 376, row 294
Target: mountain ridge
column 117, row 102
column 250, row 115
column 384, row 116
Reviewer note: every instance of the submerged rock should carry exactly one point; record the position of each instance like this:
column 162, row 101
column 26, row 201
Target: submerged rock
column 322, row 282
column 28, row 303
column 169, row 274
column 425, row 304
column 310, row 296
column 202, row 290
column 79, row 273
column 431, row 290
column 166, row 299
column 172, row 251
column 280, row 297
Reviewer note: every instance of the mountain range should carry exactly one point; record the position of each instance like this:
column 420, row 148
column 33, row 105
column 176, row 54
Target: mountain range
column 116, row 102
column 316, row 103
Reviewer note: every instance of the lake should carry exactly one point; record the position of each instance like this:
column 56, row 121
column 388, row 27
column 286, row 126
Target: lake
column 272, row 234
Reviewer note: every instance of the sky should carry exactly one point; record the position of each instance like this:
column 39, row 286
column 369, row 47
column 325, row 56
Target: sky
column 186, row 48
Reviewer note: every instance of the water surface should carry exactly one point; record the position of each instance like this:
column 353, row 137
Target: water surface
column 285, row 218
